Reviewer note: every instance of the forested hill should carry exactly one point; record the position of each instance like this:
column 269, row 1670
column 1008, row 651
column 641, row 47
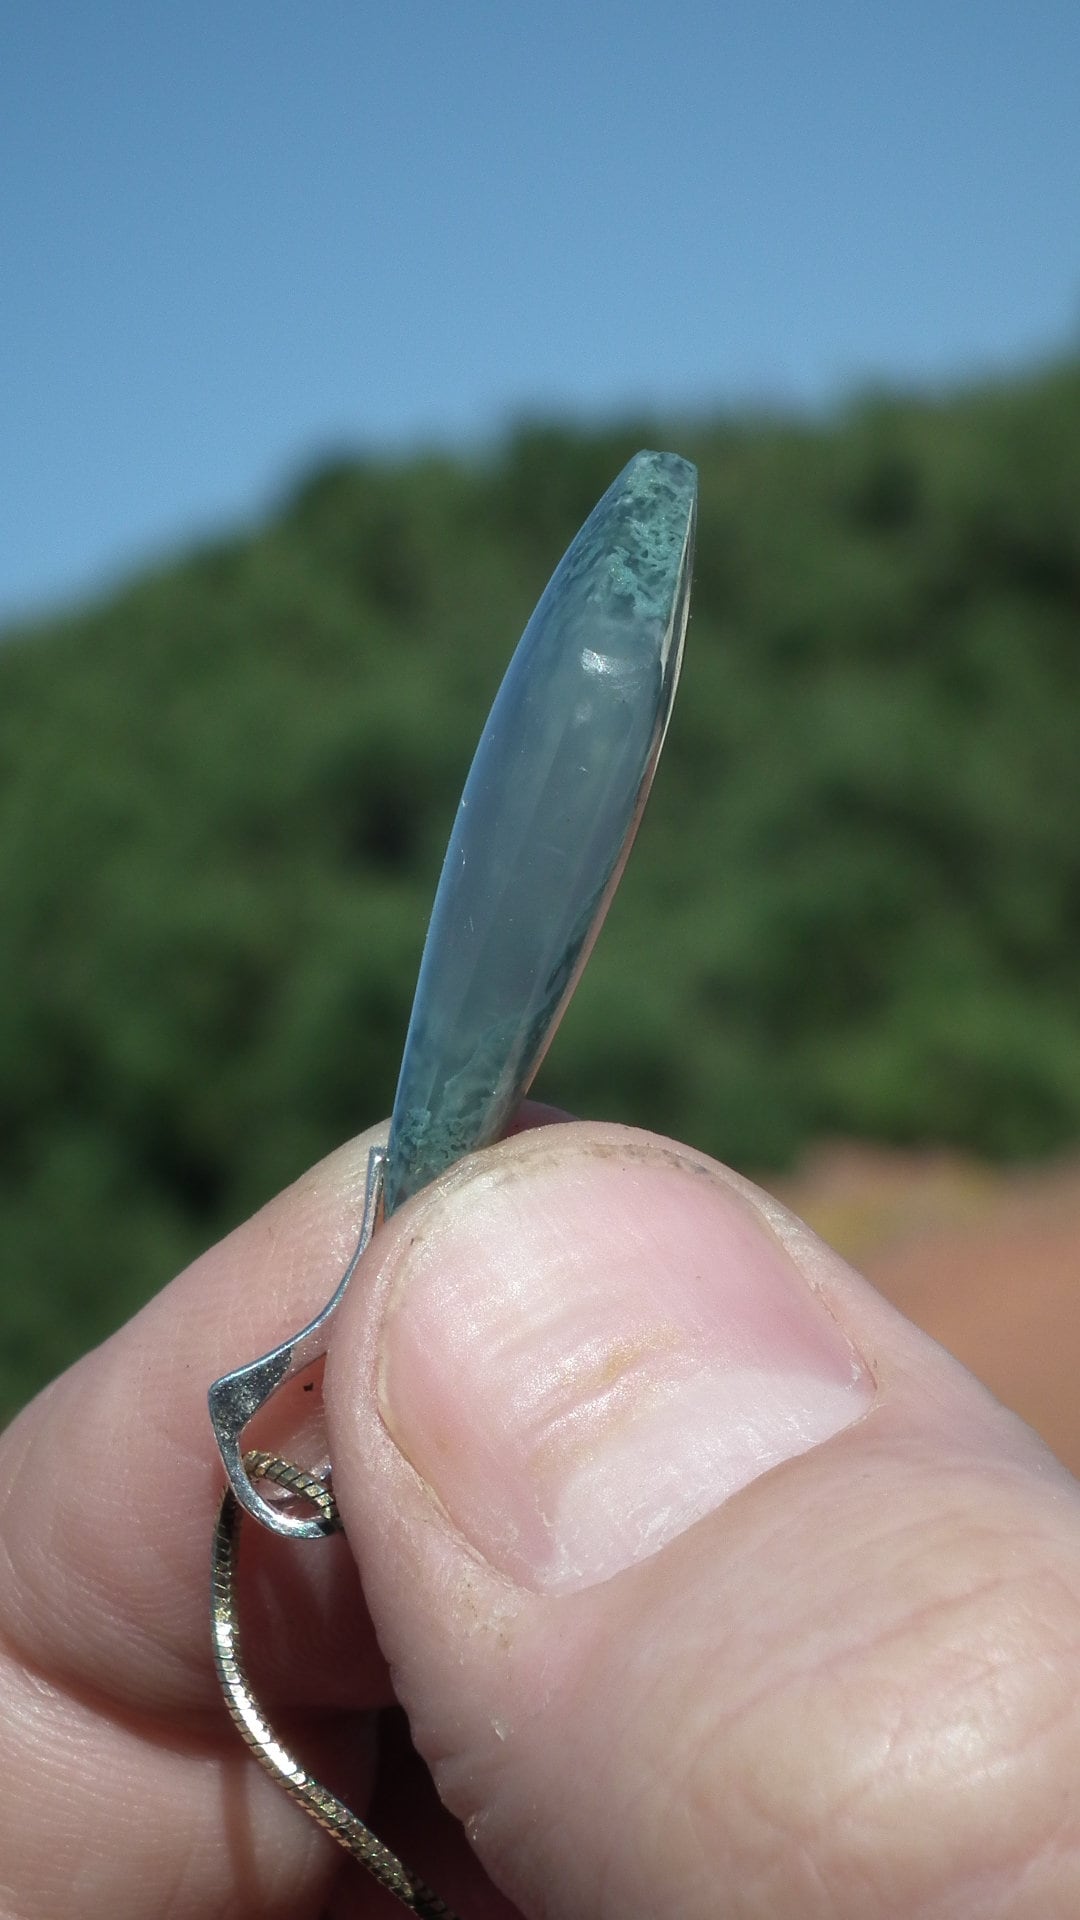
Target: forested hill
column 854, row 907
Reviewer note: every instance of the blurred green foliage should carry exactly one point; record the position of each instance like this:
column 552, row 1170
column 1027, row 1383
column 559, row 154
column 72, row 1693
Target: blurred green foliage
column 855, row 903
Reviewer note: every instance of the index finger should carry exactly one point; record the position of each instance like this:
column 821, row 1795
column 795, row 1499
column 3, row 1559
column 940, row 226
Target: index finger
column 111, row 1481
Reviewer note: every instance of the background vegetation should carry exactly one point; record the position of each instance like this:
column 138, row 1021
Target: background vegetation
column 855, row 902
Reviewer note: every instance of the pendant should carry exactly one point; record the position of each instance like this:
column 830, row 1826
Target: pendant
column 544, row 826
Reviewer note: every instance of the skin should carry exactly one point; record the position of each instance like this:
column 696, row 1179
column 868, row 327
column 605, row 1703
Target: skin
column 848, row 1690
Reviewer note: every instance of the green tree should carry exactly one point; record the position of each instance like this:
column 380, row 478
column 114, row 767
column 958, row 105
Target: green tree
column 224, row 795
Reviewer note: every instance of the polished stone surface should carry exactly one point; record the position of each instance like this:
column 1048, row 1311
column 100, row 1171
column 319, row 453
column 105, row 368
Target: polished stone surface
column 546, row 819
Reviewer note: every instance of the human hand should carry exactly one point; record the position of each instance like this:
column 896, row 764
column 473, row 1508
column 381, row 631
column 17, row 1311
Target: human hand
column 711, row 1586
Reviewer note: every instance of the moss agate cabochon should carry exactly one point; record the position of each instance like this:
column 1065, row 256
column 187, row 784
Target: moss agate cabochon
column 546, row 819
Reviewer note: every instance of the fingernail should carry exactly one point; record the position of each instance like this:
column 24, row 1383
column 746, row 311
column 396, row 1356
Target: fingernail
column 585, row 1352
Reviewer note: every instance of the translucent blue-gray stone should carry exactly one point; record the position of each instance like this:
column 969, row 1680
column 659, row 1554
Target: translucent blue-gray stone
column 546, row 819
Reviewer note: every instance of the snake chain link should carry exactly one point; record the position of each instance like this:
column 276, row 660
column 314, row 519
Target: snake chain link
column 324, row 1807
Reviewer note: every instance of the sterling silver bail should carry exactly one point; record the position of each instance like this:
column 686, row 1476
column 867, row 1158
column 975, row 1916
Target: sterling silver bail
column 236, row 1398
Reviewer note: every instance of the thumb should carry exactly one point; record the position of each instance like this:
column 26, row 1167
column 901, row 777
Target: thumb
column 711, row 1586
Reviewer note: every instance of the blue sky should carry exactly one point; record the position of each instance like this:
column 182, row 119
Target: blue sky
column 235, row 234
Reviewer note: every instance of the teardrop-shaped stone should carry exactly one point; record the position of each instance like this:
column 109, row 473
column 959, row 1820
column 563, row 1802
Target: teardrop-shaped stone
column 546, row 819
